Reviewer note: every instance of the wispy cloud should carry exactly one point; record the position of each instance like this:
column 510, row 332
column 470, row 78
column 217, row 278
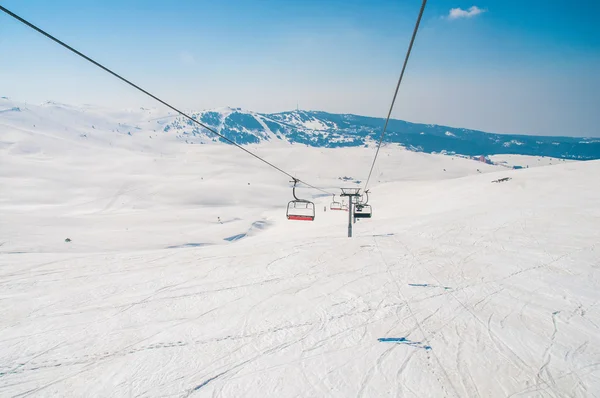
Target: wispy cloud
column 457, row 13
column 187, row 58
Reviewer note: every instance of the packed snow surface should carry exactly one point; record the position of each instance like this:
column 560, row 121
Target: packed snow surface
column 183, row 277
column 527, row 161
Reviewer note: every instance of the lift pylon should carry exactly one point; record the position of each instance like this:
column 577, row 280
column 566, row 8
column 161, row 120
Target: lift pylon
column 351, row 193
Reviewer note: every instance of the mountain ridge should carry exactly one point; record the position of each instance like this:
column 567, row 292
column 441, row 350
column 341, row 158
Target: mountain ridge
column 312, row 128
column 323, row 129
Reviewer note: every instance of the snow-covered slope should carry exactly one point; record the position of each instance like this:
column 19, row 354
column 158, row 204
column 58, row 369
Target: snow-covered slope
column 64, row 184
column 526, row 161
column 457, row 286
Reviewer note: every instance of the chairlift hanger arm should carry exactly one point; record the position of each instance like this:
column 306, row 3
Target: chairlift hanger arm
column 295, row 181
column 367, row 197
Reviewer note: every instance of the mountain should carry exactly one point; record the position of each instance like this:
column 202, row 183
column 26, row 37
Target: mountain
column 311, row 128
column 322, row 129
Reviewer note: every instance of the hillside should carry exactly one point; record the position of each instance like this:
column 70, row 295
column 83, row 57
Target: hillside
column 312, row 128
column 182, row 276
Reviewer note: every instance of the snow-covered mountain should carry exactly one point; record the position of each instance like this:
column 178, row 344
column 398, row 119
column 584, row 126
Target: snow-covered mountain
column 312, row 128
column 322, row 129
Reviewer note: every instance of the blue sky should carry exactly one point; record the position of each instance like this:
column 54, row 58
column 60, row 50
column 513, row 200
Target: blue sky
column 507, row 66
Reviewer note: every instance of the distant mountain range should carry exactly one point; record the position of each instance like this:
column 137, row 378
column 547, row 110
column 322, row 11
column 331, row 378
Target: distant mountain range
column 322, row 129
column 312, row 128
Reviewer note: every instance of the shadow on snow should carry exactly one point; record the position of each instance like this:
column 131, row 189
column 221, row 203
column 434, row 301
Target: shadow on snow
column 404, row 340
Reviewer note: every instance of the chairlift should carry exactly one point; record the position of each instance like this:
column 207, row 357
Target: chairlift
column 362, row 209
column 364, row 198
column 300, row 209
column 336, row 205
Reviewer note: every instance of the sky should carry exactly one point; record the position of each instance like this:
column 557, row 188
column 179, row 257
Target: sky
column 505, row 66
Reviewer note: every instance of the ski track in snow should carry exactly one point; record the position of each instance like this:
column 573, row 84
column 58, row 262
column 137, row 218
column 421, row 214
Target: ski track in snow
column 457, row 287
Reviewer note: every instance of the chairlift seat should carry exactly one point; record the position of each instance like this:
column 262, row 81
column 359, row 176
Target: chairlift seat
column 301, row 210
column 335, row 205
column 300, row 218
column 364, row 211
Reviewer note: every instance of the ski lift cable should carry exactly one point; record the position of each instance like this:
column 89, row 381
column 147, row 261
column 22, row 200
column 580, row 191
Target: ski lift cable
column 73, row 50
column 387, row 120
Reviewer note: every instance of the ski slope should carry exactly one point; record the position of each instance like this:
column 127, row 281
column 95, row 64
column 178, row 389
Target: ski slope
column 456, row 287
column 527, row 161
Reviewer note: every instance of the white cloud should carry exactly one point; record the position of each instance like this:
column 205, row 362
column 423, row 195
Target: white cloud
column 456, row 13
column 187, row 58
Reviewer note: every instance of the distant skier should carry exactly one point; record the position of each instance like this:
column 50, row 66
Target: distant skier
column 219, row 219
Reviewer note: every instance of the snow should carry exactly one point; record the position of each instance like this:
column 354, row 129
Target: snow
column 314, row 125
column 528, row 161
column 513, row 142
column 456, row 287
